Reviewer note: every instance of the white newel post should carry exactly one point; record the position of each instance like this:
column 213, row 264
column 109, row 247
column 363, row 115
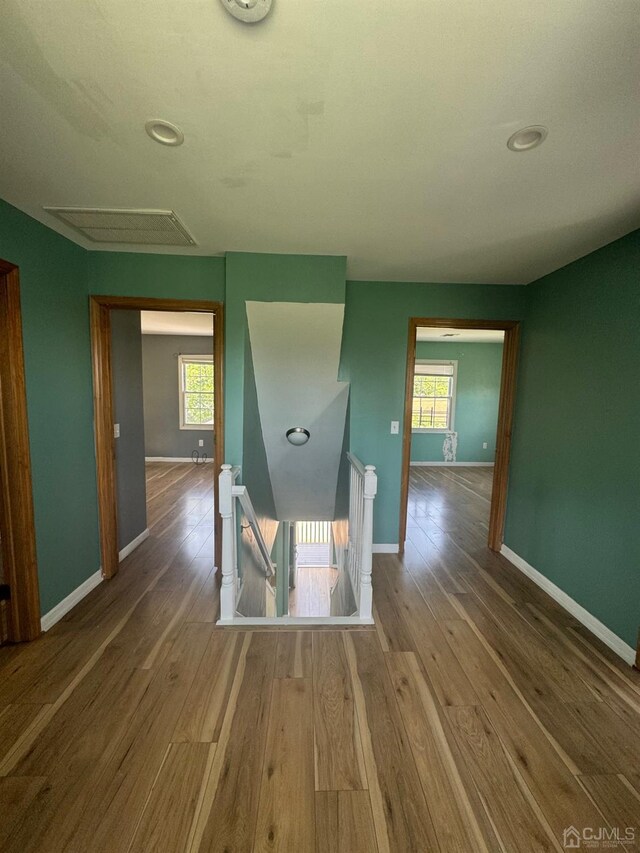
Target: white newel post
column 366, row 590
column 225, row 502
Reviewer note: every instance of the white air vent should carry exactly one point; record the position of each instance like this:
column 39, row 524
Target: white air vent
column 144, row 227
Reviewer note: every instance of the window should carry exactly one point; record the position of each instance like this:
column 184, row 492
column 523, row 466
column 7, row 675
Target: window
column 196, row 391
column 434, row 394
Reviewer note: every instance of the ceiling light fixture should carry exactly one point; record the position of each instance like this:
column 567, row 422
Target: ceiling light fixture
column 248, row 11
column 164, row 132
column 527, row 138
column 298, row 436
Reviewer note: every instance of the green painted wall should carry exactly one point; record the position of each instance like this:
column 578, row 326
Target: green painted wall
column 574, row 496
column 477, row 398
column 161, row 276
column 55, row 313
column 374, row 361
column 267, row 278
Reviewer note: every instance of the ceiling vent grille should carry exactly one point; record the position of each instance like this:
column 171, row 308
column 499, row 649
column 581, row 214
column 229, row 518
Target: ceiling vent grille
column 143, row 227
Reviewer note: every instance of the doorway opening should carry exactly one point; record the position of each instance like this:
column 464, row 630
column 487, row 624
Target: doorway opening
column 179, row 422
column 19, row 590
column 432, row 403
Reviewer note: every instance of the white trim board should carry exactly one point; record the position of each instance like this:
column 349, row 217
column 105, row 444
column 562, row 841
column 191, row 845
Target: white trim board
column 133, row 545
column 283, row 621
column 384, row 548
column 173, row 459
column 56, row 613
column 452, row 464
column 615, row 643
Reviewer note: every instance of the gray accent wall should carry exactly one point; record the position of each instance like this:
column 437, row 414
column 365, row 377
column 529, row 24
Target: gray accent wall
column 126, row 359
column 163, row 436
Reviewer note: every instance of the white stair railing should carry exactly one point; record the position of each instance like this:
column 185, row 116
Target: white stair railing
column 363, row 485
column 228, row 495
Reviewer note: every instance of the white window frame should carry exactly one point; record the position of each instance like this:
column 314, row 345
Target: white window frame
column 182, row 359
column 452, row 408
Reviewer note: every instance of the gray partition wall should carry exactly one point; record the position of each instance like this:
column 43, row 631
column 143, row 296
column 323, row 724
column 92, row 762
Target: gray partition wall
column 163, row 436
column 126, row 362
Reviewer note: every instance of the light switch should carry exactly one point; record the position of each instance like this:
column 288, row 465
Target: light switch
column 116, row 430
column 200, row 443
column 395, row 427
column 484, row 445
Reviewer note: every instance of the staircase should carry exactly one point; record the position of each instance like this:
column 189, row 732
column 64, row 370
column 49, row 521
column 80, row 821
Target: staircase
column 252, row 585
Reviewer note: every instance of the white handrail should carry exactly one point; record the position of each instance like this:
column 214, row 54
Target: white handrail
column 356, row 463
column 228, row 495
column 363, row 486
column 242, row 494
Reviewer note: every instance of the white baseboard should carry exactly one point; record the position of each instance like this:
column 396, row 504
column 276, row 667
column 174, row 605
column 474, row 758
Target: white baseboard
column 615, row 643
column 133, row 545
column 283, row 621
column 55, row 614
column 451, row 464
column 171, row 459
column 385, row 548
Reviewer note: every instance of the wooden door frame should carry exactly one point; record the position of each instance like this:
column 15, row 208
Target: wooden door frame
column 100, row 308
column 16, row 497
column 511, row 329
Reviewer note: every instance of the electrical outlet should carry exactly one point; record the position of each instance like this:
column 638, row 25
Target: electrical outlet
column 395, row 427
column 116, row 430
column 484, row 445
column 201, row 443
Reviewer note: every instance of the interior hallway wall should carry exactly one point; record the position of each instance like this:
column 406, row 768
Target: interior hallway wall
column 374, row 358
column 574, row 496
column 163, row 436
column 57, row 352
column 126, row 363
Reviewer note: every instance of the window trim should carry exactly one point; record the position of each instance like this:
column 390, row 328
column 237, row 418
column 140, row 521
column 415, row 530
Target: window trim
column 205, row 358
column 454, row 388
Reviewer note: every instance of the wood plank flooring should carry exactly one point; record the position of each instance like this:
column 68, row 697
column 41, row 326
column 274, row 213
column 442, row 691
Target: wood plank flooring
column 311, row 595
column 476, row 715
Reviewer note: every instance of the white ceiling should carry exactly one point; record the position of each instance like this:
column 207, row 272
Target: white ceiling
column 376, row 130
column 176, row 323
column 460, row 336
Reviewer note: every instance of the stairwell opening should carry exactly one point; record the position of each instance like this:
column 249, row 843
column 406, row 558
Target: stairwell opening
column 314, row 574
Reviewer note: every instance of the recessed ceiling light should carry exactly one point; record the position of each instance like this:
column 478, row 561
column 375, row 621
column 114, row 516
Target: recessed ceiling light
column 249, row 11
column 527, row 138
column 164, row 132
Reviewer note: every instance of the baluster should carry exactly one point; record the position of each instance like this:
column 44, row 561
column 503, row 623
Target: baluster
column 370, row 488
column 226, row 508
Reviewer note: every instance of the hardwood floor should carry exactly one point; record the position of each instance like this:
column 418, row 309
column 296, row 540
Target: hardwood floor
column 311, row 595
column 475, row 716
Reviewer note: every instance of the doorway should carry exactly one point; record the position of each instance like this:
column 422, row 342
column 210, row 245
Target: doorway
column 19, row 590
column 104, row 410
column 440, row 415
